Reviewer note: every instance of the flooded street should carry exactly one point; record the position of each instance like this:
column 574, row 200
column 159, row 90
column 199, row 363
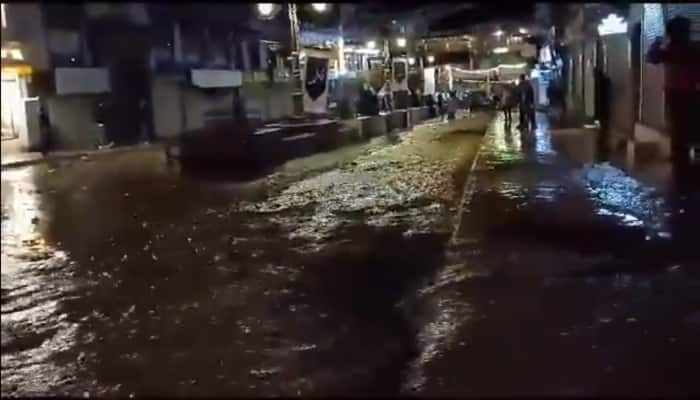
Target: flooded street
column 123, row 276
column 377, row 269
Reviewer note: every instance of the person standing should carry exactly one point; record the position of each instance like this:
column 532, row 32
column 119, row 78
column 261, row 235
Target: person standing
column 507, row 103
column 681, row 86
column 146, row 133
column 526, row 102
column 430, row 102
column 452, row 106
column 441, row 105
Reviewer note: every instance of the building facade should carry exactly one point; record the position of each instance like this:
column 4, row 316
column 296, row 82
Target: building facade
column 637, row 104
column 122, row 73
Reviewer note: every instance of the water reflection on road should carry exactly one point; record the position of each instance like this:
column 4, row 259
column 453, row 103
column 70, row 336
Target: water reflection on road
column 125, row 276
column 565, row 279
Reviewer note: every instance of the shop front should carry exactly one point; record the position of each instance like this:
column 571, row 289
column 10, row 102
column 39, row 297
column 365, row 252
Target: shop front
column 20, row 123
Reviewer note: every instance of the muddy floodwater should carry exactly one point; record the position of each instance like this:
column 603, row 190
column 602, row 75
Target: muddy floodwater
column 383, row 268
column 124, row 276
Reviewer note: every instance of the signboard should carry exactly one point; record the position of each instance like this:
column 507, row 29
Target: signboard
column 82, row 80
column 429, row 80
column 213, row 78
column 612, row 24
column 316, row 81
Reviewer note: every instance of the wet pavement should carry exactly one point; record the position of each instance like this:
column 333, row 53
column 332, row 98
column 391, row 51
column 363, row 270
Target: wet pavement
column 124, row 276
column 565, row 276
column 376, row 269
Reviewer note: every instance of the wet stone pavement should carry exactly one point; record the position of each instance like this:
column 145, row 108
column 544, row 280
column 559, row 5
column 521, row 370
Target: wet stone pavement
column 124, row 276
column 377, row 269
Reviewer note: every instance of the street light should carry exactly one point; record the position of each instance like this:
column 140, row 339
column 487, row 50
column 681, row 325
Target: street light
column 522, row 31
column 266, row 9
column 431, row 59
column 498, row 33
column 401, row 42
column 319, row 7
column 411, row 60
column 371, row 44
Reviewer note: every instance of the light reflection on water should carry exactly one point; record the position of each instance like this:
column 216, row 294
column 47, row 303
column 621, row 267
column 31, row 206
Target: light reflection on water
column 35, row 278
column 617, row 194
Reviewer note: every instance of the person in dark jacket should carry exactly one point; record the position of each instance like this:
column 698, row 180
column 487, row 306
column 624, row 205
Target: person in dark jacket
column 430, row 102
column 682, row 86
column 44, row 129
column 507, row 103
column 369, row 105
column 526, row 102
column 441, row 105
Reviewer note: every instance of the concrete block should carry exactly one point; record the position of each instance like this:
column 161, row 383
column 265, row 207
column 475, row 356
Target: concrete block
column 300, row 145
column 373, row 126
column 418, row 115
column 401, row 99
column 266, row 145
column 397, row 120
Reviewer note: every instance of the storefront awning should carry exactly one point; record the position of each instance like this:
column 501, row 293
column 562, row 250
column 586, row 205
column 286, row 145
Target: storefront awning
column 13, row 68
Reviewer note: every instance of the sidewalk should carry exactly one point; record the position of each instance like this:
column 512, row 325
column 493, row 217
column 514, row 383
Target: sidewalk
column 21, row 159
column 561, row 279
column 546, row 192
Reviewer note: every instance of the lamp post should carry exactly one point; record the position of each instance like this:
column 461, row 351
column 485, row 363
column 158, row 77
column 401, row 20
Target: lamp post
column 267, row 11
column 297, row 89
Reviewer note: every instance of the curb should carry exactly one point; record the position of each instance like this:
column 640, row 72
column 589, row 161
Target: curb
column 470, row 185
column 79, row 154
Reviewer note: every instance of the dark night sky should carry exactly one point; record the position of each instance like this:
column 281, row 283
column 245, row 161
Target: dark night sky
column 484, row 12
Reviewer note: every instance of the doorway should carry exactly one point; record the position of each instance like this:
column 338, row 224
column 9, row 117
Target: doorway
column 125, row 50
column 12, row 95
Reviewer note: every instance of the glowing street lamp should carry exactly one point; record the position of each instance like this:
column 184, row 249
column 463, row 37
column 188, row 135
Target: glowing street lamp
column 371, row 44
column 319, row 7
column 431, row 59
column 266, row 9
column 401, row 42
column 522, row 31
column 498, row 33
column 411, row 60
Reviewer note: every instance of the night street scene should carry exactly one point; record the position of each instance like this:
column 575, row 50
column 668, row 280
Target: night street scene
column 350, row 199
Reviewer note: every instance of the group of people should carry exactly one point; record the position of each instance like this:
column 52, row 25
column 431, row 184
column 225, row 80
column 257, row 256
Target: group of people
column 521, row 95
column 448, row 106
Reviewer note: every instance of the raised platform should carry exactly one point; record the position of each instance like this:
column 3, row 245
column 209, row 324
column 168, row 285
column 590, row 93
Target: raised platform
column 228, row 144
